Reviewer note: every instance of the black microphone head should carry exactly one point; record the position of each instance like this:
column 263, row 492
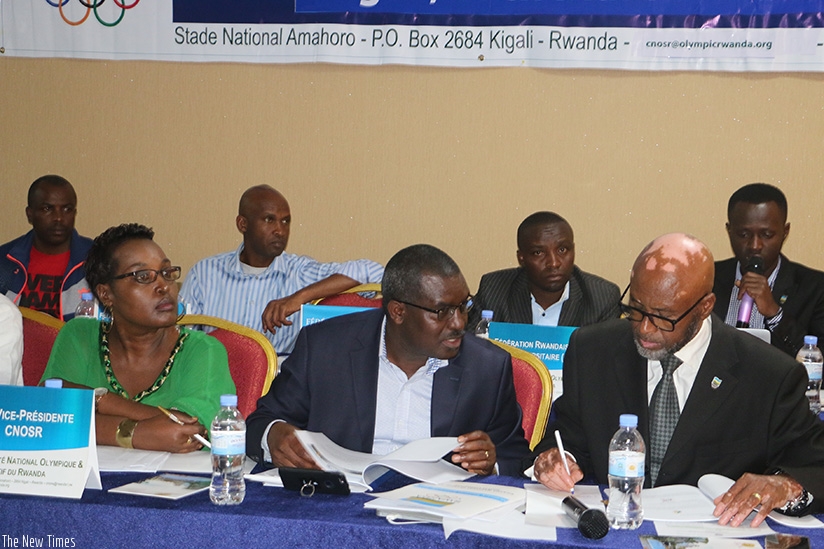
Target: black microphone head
column 755, row 264
column 593, row 524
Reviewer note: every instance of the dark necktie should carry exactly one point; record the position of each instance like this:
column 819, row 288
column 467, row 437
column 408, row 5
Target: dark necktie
column 664, row 414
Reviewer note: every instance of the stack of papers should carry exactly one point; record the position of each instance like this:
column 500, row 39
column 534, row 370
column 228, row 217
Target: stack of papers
column 487, row 509
column 459, row 500
column 128, row 460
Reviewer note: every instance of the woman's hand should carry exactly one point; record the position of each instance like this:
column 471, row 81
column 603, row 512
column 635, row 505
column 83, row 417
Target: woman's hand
column 161, row 433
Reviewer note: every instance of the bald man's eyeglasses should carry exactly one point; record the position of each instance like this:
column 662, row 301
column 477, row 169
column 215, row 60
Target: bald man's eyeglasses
column 444, row 312
column 661, row 322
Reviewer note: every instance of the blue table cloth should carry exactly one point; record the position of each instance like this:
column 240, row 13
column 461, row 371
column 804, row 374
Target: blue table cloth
column 269, row 517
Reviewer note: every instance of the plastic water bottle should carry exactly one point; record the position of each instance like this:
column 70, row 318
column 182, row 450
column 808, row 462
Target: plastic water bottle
column 86, row 306
column 810, row 356
column 627, row 453
column 228, row 436
column 482, row 329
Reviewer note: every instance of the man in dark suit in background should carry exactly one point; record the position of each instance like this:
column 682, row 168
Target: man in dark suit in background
column 376, row 380
column 788, row 298
column 547, row 289
column 736, row 406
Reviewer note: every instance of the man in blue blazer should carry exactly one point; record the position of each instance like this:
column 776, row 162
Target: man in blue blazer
column 376, row 380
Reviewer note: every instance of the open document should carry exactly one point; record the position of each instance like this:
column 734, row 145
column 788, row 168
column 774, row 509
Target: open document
column 420, row 459
column 683, row 503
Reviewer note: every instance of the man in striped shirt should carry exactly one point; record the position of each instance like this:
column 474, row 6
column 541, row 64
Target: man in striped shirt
column 259, row 285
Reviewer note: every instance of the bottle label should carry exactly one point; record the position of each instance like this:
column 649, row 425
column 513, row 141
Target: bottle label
column 813, row 370
column 228, row 443
column 626, row 464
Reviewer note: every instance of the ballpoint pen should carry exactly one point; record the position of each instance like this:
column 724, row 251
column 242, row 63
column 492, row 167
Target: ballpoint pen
column 563, row 455
column 177, row 420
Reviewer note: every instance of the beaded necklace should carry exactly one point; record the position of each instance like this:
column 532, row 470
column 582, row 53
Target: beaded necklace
column 107, row 365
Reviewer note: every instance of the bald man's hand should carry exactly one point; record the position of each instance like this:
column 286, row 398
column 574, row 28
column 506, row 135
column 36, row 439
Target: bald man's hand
column 761, row 493
column 551, row 472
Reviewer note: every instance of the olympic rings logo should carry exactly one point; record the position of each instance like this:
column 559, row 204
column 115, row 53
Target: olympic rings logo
column 91, row 7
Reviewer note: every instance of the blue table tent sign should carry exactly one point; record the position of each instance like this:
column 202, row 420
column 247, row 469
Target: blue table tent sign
column 48, row 445
column 548, row 343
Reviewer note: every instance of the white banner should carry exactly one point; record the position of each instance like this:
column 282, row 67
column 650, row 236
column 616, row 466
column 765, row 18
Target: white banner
column 162, row 30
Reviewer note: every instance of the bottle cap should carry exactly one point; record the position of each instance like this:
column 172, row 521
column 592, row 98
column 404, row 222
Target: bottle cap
column 86, row 296
column 228, row 400
column 487, row 314
column 810, row 340
column 628, row 420
column 55, row 383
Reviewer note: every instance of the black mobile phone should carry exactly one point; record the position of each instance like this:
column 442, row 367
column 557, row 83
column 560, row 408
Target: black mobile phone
column 311, row 481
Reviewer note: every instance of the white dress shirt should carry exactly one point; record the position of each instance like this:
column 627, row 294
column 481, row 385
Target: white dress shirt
column 552, row 314
column 692, row 354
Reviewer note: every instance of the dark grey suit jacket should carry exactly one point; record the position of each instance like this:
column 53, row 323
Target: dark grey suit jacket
column 798, row 289
column 591, row 299
column 756, row 419
column 329, row 384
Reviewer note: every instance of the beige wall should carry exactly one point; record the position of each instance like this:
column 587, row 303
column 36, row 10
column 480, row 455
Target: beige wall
column 375, row 158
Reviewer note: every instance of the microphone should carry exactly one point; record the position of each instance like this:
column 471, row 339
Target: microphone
column 592, row 523
column 754, row 265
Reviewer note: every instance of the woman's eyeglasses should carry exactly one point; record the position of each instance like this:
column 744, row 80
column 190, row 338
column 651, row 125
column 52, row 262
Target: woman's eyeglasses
column 147, row 276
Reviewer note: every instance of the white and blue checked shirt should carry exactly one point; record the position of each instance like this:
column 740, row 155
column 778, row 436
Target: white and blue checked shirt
column 218, row 286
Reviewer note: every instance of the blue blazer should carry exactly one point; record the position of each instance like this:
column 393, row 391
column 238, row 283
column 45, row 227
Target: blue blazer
column 329, row 384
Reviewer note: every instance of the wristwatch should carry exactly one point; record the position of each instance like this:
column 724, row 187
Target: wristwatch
column 99, row 393
column 795, row 507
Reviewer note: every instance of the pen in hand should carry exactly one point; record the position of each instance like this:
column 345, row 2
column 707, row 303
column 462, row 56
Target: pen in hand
column 177, row 420
column 560, row 444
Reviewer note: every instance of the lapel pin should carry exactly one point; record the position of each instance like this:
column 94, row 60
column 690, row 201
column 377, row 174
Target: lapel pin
column 716, row 383
column 783, row 300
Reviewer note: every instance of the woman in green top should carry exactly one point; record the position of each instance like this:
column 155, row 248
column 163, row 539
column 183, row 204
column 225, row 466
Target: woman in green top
column 140, row 363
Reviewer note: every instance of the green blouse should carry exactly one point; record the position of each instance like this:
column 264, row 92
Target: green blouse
column 197, row 378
